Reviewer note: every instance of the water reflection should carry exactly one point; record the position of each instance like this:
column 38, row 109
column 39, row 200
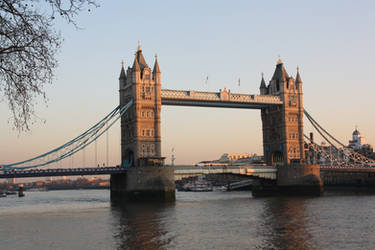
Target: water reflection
column 140, row 225
column 285, row 224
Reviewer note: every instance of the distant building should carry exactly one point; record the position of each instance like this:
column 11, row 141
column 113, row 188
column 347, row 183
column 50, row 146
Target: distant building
column 358, row 143
column 357, row 140
column 233, row 159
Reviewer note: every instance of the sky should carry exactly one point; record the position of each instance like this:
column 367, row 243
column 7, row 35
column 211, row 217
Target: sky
column 332, row 43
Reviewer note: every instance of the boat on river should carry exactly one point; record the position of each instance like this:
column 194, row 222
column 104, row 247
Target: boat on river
column 197, row 186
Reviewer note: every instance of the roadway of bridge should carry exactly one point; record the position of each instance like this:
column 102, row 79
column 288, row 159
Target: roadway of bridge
column 181, row 171
column 62, row 172
column 258, row 171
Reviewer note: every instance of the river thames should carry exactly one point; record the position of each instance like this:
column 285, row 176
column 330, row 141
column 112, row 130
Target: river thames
column 87, row 219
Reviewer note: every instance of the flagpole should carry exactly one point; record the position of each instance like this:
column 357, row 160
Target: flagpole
column 239, row 85
column 208, row 89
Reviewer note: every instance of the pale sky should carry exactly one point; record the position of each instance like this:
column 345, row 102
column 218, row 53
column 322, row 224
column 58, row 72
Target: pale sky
column 332, row 42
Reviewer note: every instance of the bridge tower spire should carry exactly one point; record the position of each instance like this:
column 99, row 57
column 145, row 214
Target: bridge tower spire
column 122, row 77
column 263, row 88
column 283, row 138
column 146, row 177
column 140, row 126
column 283, row 125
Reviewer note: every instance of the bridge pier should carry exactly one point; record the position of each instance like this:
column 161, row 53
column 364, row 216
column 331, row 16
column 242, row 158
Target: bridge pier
column 301, row 179
column 292, row 180
column 147, row 182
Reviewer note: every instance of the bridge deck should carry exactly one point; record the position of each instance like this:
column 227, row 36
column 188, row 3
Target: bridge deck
column 62, row 172
column 258, row 171
column 222, row 99
column 180, row 171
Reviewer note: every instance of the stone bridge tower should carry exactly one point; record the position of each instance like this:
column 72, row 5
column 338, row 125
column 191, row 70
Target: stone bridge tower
column 140, row 125
column 283, row 138
column 146, row 177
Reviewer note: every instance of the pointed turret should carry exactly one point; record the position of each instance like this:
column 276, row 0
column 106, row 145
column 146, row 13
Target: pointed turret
column 136, row 64
column 263, row 88
column 298, row 77
column 156, row 65
column 122, row 73
column 280, row 72
column 141, row 60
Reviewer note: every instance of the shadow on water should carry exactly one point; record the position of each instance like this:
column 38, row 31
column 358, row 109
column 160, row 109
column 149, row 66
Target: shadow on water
column 140, row 225
column 285, row 222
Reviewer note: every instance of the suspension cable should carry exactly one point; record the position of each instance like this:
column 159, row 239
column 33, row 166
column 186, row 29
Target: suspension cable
column 82, row 141
column 351, row 154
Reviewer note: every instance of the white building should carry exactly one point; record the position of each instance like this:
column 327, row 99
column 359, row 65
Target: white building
column 233, row 157
column 357, row 141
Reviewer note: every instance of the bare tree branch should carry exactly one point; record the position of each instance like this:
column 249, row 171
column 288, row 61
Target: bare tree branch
column 28, row 47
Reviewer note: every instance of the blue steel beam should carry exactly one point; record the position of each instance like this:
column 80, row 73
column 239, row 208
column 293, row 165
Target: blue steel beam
column 61, row 172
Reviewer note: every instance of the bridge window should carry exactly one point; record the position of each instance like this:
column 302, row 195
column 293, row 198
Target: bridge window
column 152, row 132
column 143, row 132
column 147, row 132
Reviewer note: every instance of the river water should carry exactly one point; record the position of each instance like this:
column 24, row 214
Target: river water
column 86, row 219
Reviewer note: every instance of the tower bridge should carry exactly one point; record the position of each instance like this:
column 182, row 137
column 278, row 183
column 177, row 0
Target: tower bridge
column 280, row 102
column 142, row 174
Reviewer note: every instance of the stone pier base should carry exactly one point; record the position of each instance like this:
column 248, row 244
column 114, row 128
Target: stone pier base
column 292, row 180
column 144, row 184
column 300, row 180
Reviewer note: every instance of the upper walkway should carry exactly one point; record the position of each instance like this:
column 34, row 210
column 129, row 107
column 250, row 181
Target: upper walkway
column 223, row 99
